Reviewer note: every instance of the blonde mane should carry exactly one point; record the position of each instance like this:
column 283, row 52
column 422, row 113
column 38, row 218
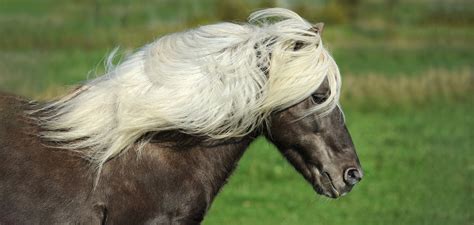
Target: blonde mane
column 219, row 81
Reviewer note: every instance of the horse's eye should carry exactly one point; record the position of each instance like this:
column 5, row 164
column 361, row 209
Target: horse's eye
column 319, row 98
column 298, row 45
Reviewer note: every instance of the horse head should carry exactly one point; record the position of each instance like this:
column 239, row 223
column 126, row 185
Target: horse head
column 319, row 147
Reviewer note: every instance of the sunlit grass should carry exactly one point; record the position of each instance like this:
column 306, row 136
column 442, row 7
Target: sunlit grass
column 376, row 90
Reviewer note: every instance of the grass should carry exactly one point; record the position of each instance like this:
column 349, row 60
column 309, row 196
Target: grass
column 393, row 61
column 375, row 90
column 39, row 73
column 418, row 167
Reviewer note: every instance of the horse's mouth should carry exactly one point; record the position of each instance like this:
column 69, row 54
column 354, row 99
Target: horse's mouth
column 322, row 183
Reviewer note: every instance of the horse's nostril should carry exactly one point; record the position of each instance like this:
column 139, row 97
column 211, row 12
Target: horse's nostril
column 352, row 176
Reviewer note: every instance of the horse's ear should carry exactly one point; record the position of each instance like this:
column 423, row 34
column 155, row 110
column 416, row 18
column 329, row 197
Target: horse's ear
column 318, row 28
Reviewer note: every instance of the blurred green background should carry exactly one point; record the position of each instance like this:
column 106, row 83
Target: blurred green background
column 408, row 88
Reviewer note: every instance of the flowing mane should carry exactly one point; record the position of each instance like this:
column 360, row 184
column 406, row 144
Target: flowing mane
column 218, row 81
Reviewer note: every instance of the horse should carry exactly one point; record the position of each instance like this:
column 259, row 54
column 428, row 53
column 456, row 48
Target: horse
column 154, row 139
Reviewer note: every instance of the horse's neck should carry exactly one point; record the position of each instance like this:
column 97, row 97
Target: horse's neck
column 216, row 163
column 167, row 169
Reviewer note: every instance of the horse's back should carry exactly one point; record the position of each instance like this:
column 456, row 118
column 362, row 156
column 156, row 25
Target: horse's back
column 37, row 184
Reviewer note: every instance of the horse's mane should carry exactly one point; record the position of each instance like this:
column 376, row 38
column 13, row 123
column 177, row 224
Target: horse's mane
column 219, row 81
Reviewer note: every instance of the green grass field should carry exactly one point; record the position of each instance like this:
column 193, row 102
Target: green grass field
column 418, row 166
column 407, row 93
